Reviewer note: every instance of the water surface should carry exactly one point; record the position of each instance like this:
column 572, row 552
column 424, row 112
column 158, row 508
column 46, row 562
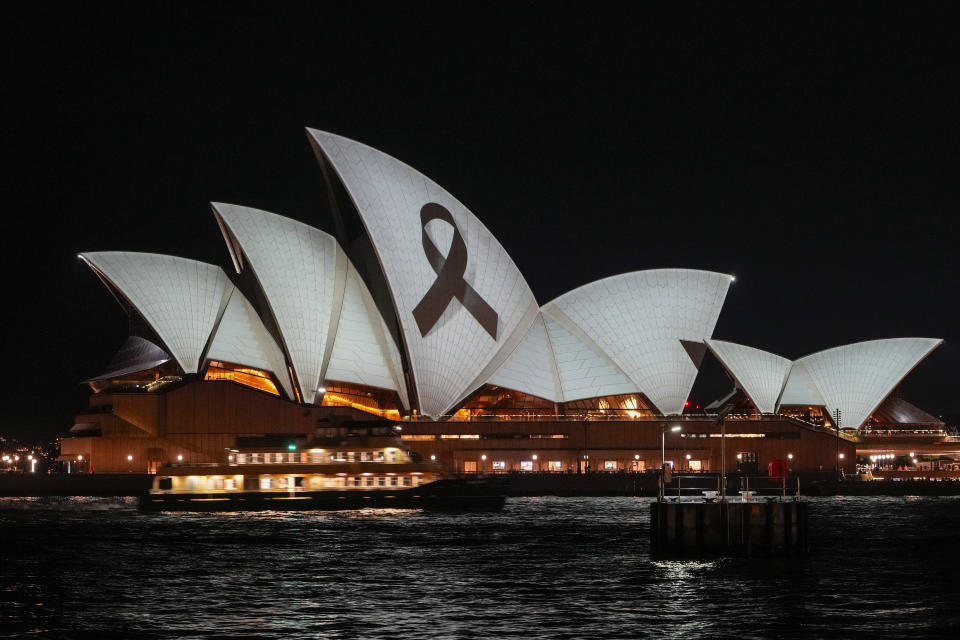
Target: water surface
column 543, row 568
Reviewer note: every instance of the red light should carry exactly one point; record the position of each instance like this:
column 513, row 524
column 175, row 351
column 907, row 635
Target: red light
column 687, row 403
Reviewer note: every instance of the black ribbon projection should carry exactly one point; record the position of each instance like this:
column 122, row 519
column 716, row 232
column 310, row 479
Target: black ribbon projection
column 449, row 283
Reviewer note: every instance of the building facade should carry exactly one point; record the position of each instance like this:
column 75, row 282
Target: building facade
column 415, row 313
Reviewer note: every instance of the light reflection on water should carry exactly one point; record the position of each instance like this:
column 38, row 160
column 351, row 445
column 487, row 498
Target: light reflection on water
column 543, row 568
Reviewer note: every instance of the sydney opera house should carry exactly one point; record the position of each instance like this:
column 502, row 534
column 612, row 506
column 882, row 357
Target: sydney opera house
column 413, row 312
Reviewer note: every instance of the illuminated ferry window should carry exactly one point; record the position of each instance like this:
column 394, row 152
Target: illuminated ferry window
column 229, row 484
column 381, row 481
column 355, row 482
column 282, row 483
column 406, row 481
column 526, row 465
column 316, row 482
column 416, row 480
column 216, row 484
column 418, row 437
column 266, row 483
column 610, row 465
column 500, row 465
column 316, row 457
column 469, row 466
column 393, row 481
column 555, row 465
column 241, row 458
column 380, row 457
column 369, row 481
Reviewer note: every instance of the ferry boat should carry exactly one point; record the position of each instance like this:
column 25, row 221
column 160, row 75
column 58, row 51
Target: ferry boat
column 344, row 467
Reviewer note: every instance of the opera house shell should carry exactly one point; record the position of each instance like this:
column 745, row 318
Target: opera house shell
column 414, row 309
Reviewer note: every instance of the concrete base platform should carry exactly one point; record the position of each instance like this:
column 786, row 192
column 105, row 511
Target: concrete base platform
column 690, row 529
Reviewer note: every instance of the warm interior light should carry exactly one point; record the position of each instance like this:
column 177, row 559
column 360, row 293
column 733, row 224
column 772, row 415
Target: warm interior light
column 246, row 376
column 676, row 428
column 332, row 399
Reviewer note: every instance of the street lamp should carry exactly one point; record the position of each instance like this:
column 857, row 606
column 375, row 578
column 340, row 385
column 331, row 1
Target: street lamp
column 837, row 419
column 663, row 442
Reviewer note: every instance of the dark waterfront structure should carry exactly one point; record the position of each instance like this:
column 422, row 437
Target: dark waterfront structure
column 416, row 314
column 690, row 529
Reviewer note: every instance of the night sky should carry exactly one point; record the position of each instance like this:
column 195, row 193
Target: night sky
column 809, row 150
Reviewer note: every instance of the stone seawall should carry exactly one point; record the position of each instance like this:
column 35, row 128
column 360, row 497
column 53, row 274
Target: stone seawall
column 74, row 484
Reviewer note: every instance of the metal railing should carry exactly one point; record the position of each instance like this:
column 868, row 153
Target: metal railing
column 710, row 488
column 770, row 488
column 597, row 415
column 698, row 487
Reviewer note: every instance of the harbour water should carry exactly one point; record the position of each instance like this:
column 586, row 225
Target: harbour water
column 545, row 567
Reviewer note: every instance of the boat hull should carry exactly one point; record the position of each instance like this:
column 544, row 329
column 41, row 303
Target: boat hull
column 442, row 495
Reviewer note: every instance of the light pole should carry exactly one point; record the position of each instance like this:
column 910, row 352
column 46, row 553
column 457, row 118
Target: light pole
column 663, row 443
column 837, row 417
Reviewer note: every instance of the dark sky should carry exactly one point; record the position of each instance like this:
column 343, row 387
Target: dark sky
column 811, row 150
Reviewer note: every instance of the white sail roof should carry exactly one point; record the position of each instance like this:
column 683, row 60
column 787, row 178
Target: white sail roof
column 181, row 299
column 241, row 338
column 363, row 351
column 856, row 378
column 531, row 368
column 799, row 388
column 760, row 374
column 454, row 342
column 638, row 320
column 301, row 271
column 585, row 371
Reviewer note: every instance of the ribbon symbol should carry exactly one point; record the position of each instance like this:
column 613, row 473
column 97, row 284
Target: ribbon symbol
column 449, row 283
